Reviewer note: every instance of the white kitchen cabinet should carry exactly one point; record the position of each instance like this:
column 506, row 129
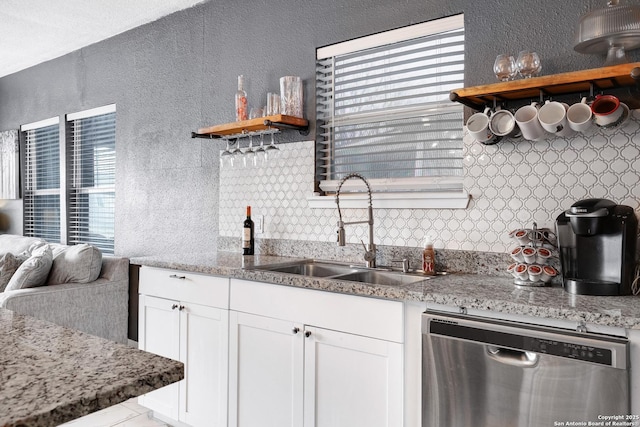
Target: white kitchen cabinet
column 159, row 333
column 350, row 380
column 301, row 357
column 184, row 316
column 265, row 370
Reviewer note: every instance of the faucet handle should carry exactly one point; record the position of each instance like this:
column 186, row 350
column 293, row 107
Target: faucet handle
column 405, row 264
column 341, row 236
column 369, row 255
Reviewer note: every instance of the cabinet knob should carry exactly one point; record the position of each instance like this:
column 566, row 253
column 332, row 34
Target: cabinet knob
column 307, row 334
column 174, row 306
column 181, row 308
column 295, row 330
column 175, row 276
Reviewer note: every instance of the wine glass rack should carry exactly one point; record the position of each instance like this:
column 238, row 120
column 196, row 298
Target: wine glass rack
column 256, row 126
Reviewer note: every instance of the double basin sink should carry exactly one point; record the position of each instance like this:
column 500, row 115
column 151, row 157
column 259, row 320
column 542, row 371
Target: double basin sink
column 331, row 270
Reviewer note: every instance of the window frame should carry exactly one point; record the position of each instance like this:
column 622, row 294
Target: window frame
column 409, row 192
column 74, row 191
column 28, row 175
column 65, row 190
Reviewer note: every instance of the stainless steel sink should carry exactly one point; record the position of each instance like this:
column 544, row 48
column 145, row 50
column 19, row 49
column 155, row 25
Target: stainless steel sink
column 339, row 271
column 311, row 268
column 388, row 278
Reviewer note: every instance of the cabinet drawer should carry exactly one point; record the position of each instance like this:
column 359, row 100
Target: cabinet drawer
column 371, row 317
column 212, row 291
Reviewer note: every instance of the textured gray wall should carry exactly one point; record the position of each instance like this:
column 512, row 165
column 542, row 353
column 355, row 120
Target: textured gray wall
column 179, row 73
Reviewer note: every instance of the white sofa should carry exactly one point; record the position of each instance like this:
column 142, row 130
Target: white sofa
column 98, row 307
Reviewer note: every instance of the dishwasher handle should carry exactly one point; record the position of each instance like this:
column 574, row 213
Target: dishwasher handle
column 508, row 356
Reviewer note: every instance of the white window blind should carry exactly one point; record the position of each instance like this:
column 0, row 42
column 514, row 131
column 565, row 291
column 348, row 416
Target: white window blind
column 383, row 108
column 92, row 158
column 41, row 198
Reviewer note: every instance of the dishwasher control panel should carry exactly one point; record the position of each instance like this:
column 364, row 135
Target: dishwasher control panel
column 573, row 351
column 529, row 338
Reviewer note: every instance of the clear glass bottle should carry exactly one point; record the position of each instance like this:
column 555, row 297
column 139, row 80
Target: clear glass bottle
column 241, row 101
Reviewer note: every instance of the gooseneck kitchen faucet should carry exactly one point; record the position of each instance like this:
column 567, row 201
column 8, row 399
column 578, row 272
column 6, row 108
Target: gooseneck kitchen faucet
column 370, row 251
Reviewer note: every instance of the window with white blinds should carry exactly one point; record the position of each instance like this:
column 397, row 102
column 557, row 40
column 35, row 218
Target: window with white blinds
column 41, row 195
column 383, row 108
column 92, row 162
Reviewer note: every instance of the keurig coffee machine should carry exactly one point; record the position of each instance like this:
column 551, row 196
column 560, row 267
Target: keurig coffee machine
column 597, row 246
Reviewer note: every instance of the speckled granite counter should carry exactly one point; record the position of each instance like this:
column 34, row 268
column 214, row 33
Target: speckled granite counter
column 50, row 375
column 464, row 290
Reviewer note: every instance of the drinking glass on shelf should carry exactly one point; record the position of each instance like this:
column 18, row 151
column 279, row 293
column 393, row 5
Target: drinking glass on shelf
column 256, row 112
column 505, row 67
column 528, row 64
column 291, row 96
column 273, row 104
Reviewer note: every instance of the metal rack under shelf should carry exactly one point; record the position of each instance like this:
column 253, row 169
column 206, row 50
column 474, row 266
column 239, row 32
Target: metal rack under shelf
column 576, row 82
column 264, row 125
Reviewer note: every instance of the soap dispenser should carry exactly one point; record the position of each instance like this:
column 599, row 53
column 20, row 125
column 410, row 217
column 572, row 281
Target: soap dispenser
column 428, row 258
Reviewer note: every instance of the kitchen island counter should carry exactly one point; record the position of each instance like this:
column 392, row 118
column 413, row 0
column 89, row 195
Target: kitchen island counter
column 481, row 292
column 50, row 374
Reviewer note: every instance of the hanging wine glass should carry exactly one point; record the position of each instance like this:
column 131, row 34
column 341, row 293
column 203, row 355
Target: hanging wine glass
column 250, row 155
column 227, row 155
column 260, row 150
column 271, row 150
column 235, row 152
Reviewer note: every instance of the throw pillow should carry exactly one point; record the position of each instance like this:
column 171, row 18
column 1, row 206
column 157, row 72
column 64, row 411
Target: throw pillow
column 9, row 263
column 16, row 244
column 34, row 271
column 79, row 263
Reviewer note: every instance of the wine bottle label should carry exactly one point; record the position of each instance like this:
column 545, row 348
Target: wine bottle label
column 246, row 238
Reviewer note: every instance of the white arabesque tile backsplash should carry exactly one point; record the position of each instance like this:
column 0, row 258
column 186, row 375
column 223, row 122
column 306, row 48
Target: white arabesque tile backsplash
column 512, row 184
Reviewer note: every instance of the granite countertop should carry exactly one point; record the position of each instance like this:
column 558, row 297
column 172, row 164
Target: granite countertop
column 492, row 293
column 50, row 374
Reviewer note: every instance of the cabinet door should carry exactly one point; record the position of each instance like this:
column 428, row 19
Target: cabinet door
column 351, row 380
column 159, row 329
column 265, row 372
column 204, row 352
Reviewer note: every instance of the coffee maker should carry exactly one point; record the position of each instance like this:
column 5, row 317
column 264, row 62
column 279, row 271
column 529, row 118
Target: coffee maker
column 597, row 247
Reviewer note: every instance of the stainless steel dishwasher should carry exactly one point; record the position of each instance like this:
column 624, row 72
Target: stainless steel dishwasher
column 490, row 373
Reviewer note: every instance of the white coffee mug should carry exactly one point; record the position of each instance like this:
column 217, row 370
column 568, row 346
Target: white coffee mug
column 579, row 116
column 527, row 119
column 502, row 123
column 553, row 118
column 478, row 126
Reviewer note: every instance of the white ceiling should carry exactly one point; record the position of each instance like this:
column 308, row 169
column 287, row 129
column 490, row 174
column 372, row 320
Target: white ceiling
column 34, row 31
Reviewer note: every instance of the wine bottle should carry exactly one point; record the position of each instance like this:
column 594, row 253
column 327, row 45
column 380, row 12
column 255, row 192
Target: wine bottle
column 248, row 244
column 241, row 101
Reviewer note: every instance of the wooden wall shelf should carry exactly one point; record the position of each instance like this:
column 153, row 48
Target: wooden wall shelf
column 238, row 129
column 585, row 82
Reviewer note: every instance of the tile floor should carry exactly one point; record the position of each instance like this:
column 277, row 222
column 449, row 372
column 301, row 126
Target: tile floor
column 126, row 414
